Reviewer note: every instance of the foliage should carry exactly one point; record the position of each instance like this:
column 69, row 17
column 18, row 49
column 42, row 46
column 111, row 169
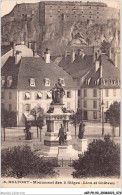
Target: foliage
column 38, row 114
column 76, row 118
column 8, row 119
column 20, row 161
column 113, row 114
column 101, row 159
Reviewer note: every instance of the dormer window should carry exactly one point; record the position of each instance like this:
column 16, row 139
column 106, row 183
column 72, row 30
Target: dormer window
column 32, row 82
column 88, row 81
column 105, row 82
column 2, row 81
column 27, row 96
column 98, row 80
column 114, row 82
column 61, row 80
column 9, row 81
column 47, row 82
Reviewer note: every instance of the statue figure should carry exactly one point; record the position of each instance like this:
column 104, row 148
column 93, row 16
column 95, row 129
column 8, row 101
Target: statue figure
column 58, row 93
column 81, row 130
column 62, row 135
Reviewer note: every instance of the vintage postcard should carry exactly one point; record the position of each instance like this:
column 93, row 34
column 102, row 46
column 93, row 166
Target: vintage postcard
column 60, row 94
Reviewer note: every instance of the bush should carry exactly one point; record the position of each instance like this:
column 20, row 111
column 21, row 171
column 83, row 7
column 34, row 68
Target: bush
column 20, row 161
column 101, row 159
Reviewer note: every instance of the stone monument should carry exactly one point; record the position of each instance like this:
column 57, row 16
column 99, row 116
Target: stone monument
column 57, row 117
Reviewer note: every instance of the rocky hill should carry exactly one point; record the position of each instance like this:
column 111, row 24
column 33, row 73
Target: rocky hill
column 55, row 36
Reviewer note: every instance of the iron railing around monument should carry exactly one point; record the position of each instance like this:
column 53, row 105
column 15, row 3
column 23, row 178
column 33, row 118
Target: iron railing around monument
column 63, row 162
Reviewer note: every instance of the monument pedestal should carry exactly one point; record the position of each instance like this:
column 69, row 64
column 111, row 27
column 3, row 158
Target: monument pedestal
column 83, row 145
column 67, row 153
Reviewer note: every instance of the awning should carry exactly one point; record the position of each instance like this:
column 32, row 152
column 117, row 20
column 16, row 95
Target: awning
column 27, row 95
column 39, row 94
column 49, row 94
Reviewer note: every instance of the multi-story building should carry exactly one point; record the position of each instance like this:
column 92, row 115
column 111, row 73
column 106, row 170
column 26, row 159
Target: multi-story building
column 97, row 77
column 101, row 87
column 27, row 81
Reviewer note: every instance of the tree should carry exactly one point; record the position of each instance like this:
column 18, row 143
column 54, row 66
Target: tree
column 76, row 118
column 101, row 159
column 38, row 114
column 113, row 114
column 8, row 119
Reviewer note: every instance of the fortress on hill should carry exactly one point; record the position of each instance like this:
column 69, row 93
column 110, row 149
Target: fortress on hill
column 59, row 11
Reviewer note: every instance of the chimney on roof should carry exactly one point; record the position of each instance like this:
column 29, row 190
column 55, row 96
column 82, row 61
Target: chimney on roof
column 101, row 66
column 81, row 53
column 97, row 65
column 14, row 48
column 73, row 56
column 115, row 60
column 18, row 57
column 47, row 56
column 34, row 49
column 110, row 54
column 29, row 45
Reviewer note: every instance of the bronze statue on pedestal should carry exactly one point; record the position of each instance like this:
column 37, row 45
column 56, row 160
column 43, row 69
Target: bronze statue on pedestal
column 57, row 93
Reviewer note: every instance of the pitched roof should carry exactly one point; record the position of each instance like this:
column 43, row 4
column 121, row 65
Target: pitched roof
column 31, row 67
column 79, row 67
column 10, row 69
column 109, row 73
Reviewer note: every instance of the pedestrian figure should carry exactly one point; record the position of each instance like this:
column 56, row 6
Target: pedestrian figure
column 61, row 135
column 81, row 130
column 27, row 132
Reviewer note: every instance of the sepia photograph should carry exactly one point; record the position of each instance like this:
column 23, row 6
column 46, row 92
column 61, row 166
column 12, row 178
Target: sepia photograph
column 60, row 94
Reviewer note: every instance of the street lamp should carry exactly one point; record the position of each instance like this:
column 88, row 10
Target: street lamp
column 102, row 105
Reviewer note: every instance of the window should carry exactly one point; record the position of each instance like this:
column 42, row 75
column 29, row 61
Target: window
column 49, row 95
column 10, row 108
column 2, row 81
column 85, row 92
column 27, row 96
column 32, row 82
column 106, row 92
column 114, row 92
column 47, row 82
column 106, row 104
column 79, row 93
column 61, row 80
column 94, row 115
column 78, row 103
column 68, row 105
column 10, row 95
column 27, row 107
column 85, row 104
column 94, row 92
column 2, row 95
column 9, row 81
column 94, row 104
column 68, row 94
column 2, row 106
column 105, row 82
column 39, row 96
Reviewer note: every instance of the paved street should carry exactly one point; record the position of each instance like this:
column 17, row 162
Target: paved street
column 15, row 136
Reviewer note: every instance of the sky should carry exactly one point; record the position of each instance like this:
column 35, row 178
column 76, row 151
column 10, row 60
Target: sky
column 7, row 6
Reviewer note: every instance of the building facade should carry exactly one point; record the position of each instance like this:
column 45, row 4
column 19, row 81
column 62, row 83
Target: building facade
column 100, row 88
column 27, row 82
